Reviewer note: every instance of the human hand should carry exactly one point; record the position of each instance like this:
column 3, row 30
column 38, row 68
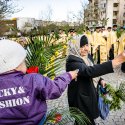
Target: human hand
column 74, row 73
column 118, row 60
column 122, row 55
column 103, row 83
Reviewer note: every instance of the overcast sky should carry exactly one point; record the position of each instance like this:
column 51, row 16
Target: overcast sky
column 39, row 8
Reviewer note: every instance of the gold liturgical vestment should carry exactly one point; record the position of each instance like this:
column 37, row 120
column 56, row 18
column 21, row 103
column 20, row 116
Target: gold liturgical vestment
column 109, row 41
column 98, row 40
column 121, row 46
column 115, row 43
column 103, row 49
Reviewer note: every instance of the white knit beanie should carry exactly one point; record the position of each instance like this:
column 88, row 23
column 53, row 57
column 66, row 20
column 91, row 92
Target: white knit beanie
column 12, row 55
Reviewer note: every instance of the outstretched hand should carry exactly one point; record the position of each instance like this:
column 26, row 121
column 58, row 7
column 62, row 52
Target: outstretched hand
column 74, row 74
column 118, row 60
column 122, row 55
column 103, row 83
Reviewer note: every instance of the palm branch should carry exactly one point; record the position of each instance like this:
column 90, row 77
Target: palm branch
column 117, row 96
column 67, row 116
column 42, row 52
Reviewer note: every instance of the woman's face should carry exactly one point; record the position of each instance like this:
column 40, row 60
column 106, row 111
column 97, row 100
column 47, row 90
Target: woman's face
column 84, row 50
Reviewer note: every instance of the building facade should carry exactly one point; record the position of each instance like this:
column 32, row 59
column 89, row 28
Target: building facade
column 91, row 13
column 7, row 26
column 110, row 12
column 26, row 24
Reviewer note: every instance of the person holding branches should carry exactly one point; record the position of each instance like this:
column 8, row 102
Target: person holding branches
column 82, row 92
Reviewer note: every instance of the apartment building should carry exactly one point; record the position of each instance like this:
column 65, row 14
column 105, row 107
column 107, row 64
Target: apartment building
column 91, row 13
column 111, row 10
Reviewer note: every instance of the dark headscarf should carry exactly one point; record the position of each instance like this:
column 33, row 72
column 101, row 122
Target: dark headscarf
column 75, row 43
column 74, row 48
column 83, row 41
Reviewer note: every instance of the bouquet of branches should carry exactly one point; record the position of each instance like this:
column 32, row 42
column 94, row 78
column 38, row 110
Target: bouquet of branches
column 65, row 116
column 114, row 97
column 46, row 58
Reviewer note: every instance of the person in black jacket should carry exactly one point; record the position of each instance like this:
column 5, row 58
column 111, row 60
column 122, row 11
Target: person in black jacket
column 81, row 92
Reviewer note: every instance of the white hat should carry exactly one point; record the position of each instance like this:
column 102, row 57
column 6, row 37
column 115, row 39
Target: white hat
column 12, row 55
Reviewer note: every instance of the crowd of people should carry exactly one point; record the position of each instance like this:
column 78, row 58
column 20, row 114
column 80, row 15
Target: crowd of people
column 106, row 43
column 23, row 96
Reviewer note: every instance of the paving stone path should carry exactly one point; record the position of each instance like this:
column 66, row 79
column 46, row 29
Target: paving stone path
column 115, row 117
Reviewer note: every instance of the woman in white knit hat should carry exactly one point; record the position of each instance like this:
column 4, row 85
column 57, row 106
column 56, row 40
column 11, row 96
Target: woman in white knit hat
column 23, row 96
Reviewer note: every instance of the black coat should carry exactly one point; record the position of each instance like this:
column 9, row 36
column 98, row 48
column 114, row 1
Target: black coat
column 82, row 93
column 123, row 67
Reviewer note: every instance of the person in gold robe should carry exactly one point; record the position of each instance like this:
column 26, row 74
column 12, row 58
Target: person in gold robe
column 103, row 45
column 121, row 46
column 115, row 43
column 96, row 45
column 110, row 49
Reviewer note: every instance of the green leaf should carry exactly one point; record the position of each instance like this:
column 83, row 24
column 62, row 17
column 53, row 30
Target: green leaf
column 71, row 114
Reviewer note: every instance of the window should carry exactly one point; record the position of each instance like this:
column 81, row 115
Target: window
column 115, row 13
column 104, row 4
column 114, row 21
column 115, row 5
column 124, row 14
column 123, row 22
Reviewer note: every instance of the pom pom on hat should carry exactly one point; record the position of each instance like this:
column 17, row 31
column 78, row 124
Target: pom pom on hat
column 12, row 55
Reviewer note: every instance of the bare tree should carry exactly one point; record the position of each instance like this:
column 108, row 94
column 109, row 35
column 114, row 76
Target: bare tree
column 79, row 16
column 46, row 15
column 7, row 7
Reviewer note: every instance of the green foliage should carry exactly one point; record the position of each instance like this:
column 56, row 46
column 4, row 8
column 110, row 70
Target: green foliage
column 117, row 96
column 42, row 52
column 66, row 116
column 80, row 28
column 79, row 116
column 118, row 33
column 104, row 21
